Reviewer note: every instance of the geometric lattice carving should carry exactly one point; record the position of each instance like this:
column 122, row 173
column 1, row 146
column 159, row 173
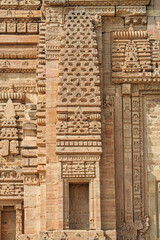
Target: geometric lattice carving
column 79, row 81
column 79, row 126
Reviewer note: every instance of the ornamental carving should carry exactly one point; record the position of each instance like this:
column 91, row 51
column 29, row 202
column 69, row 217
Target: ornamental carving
column 78, row 169
column 79, row 85
column 9, row 131
column 20, row 4
column 134, row 231
column 140, row 60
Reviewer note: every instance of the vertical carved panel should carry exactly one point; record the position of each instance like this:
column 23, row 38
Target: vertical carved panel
column 79, row 105
column 128, row 158
column 79, row 89
column 136, row 159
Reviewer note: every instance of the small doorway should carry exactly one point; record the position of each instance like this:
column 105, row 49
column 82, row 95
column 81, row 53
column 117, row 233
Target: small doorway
column 79, row 206
column 8, row 224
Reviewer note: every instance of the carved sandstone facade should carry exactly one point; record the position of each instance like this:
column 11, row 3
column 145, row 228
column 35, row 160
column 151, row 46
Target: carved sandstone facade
column 80, row 120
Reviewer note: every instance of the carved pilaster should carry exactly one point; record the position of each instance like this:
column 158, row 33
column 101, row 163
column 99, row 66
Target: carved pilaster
column 54, row 21
column 19, row 219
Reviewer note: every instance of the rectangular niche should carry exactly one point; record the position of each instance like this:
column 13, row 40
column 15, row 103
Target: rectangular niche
column 79, row 206
column 8, row 224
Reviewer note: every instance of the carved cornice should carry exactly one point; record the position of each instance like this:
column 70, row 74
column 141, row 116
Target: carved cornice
column 124, row 11
column 96, row 3
column 95, row 10
column 109, row 2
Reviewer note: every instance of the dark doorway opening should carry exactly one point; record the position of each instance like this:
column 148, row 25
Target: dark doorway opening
column 79, row 206
column 8, row 224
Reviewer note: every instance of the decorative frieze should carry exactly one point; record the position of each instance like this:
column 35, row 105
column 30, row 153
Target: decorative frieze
column 140, row 20
column 10, row 174
column 78, row 169
column 20, row 4
column 124, row 11
column 31, row 179
column 17, row 66
column 79, row 158
column 11, row 189
column 15, row 15
column 95, row 11
column 108, row 2
column 30, row 28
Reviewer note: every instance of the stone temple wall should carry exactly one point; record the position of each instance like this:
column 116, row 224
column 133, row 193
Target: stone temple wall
column 80, row 119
